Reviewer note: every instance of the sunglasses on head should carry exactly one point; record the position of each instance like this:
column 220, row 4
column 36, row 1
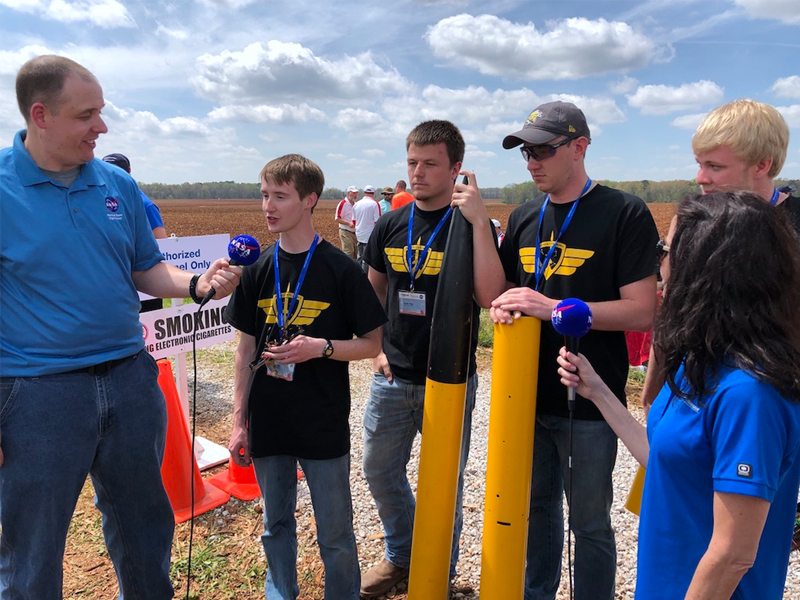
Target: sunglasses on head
column 542, row 151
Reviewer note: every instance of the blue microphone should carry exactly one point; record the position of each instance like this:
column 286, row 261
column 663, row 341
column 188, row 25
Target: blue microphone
column 572, row 318
column 243, row 250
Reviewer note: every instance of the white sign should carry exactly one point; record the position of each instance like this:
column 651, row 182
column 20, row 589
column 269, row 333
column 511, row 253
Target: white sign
column 169, row 331
column 194, row 254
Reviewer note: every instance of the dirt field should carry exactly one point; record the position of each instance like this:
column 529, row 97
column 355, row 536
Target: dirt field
column 204, row 217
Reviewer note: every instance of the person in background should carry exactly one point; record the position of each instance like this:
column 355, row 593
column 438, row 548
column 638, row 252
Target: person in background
column 722, row 442
column 153, row 213
column 401, row 196
column 347, row 223
column 498, row 231
column 366, row 213
column 386, row 201
column 153, row 217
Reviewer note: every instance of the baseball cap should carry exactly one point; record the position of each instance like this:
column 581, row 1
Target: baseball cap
column 369, row 189
column 548, row 122
column 119, row 160
column 352, row 188
column 387, row 190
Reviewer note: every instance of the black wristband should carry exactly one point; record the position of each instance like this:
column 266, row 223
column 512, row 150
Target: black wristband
column 193, row 288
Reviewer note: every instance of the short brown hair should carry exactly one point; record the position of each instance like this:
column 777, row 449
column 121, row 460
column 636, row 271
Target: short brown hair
column 401, row 183
column 429, row 133
column 753, row 130
column 41, row 79
column 306, row 175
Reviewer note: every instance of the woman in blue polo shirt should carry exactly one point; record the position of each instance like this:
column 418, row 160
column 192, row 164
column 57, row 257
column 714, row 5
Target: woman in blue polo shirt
column 722, row 444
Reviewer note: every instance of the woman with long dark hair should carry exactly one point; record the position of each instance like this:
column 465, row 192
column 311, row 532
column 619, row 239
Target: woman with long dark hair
column 722, row 443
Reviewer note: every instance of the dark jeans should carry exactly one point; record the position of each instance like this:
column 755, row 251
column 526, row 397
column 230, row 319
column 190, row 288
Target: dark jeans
column 594, row 454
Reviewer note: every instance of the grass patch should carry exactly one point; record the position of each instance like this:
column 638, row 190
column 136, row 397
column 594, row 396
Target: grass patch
column 485, row 330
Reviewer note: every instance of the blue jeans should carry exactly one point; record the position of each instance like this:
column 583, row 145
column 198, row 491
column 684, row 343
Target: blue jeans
column 391, row 421
column 329, row 484
column 593, row 457
column 56, row 430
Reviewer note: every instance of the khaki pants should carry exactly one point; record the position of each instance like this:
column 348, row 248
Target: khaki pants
column 349, row 244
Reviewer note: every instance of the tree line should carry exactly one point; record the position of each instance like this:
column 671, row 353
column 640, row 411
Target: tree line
column 514, row 193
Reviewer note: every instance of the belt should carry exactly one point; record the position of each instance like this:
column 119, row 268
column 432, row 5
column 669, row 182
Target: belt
column 102, row 368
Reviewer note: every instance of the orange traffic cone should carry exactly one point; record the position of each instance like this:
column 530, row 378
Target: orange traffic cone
column 179, row 471
column 239, row 482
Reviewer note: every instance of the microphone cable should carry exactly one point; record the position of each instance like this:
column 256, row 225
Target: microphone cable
column 191, row 449
column 569, row 504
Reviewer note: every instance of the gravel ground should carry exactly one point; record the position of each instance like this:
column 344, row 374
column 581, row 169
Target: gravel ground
column 215, row 390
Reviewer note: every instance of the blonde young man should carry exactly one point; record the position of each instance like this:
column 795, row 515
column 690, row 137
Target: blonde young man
column 740, row 145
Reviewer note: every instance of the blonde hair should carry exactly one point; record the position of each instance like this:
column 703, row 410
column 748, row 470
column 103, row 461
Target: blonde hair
column 753, row 130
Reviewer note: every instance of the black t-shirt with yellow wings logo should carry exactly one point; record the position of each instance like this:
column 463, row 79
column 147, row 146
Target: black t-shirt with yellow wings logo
column 406, row 338
column 610, row 243
column 306, row 417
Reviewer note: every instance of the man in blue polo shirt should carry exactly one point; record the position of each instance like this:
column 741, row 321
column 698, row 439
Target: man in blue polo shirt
column 78, row 394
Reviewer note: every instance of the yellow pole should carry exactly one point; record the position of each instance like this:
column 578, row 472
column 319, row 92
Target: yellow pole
column 515, row 372
column 437, row 488
column 634, row 502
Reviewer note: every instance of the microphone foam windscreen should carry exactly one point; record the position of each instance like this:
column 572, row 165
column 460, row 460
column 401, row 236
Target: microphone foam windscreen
column 572, row 317
column 244, row 250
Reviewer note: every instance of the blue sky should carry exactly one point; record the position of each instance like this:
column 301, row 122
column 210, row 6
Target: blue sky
column 212, row 89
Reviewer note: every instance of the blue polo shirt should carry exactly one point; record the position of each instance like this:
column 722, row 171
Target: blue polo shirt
column 67, row 299
column 742, row 439
column 152, row 211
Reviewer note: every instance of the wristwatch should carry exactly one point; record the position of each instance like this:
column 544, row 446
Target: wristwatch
column 328, row 351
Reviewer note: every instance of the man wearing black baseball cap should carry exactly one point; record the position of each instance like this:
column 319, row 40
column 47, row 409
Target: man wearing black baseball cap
column 583, row 240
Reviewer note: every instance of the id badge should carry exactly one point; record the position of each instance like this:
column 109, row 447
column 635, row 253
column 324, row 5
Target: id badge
column 412, row 303
column 285, row 372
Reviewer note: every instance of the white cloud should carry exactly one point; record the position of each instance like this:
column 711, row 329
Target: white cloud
column 570, row 49
column 791, row 114
column 787, row 11
column 688, row 121
column 664, row 99
column 623, row 86
column 358, row 119
column 227, row 3
column 284, row 113
column 376, row 152
column 12, row 60
column 289, row 71
column 141, row 125
column 107, row 14
column 787, row 87
column 176, row 34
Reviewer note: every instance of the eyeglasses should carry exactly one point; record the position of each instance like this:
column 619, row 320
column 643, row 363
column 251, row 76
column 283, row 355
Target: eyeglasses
column 663, row 249
column 542, row 151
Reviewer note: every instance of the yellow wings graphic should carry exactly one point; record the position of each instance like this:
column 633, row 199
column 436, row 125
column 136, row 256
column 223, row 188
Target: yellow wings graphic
column 398, row 258
column 305, row 311
column 565, row 261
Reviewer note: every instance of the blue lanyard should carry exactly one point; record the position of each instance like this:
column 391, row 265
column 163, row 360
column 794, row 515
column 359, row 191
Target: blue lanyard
column 536, row 269
column 412, row 269
column 278, row 294
column 775, row 195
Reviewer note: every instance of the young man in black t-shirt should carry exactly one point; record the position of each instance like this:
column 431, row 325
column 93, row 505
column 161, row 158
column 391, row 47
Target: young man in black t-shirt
column 740, row 145
column 298, row 309
column 394, row 412
column 587, row 241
